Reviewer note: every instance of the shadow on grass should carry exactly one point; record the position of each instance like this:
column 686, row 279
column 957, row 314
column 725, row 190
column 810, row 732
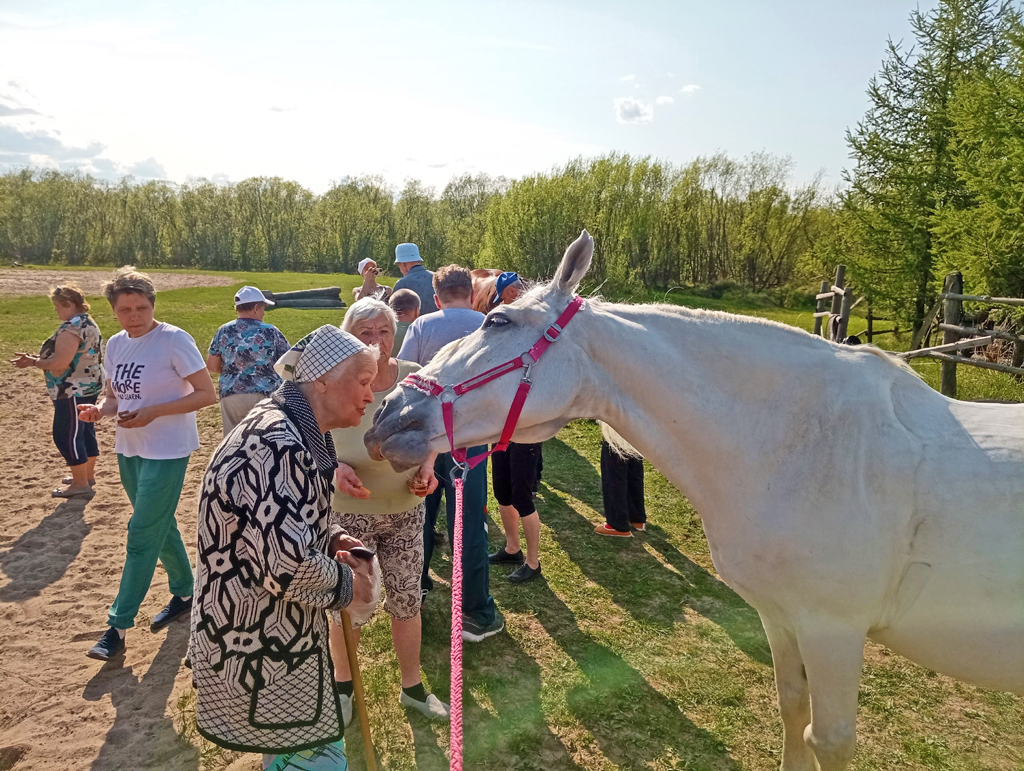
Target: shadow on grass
column 632, row 723
column 42, row 555
column 636, row 580
column 510, row 730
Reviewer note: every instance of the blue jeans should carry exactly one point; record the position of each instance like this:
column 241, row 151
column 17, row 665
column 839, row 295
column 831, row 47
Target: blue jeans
column 477, row 602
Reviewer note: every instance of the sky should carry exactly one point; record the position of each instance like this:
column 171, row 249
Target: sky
column 319, row 91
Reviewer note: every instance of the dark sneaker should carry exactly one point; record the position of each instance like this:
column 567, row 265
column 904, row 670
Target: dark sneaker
column 175, row 608
column 501, row 557
column 474, row 632
column 524, row 573
column 111, row 644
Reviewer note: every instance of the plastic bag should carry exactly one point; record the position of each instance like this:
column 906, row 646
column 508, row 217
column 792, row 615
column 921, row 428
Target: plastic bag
column 361, row 612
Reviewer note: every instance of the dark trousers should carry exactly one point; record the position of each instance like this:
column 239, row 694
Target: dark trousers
column 75, row 440
column 477, row 602
column 622, row 483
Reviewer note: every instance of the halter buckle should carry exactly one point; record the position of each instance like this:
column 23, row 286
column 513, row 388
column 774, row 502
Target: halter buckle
column 547, row 333
column 528, row 362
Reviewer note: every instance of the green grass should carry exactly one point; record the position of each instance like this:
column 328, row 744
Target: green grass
column 629, row 654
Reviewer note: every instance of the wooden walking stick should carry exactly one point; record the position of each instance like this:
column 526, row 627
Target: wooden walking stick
column 357, row 689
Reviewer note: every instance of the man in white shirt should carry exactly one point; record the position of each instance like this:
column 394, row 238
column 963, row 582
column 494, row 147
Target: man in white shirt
column 453, row 293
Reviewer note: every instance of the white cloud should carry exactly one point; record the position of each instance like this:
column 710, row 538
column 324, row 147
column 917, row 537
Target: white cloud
column 627, row 77
column 670, row 74
column 690, row 88
column 664, row 100
column 630, row 110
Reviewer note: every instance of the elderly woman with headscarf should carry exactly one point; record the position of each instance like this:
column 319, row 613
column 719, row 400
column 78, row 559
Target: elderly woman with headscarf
column 384, row 508
column 269, row 564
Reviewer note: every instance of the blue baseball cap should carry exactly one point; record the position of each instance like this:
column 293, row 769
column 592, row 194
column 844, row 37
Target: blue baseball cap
column 505, row 280
column 407, row 253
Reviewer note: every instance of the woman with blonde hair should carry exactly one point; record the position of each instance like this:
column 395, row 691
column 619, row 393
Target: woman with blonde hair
column 156, row 380
column 71, row 358
column 384, row 509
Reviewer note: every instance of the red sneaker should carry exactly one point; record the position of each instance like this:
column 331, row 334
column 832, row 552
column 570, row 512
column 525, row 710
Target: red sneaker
column 603, row 529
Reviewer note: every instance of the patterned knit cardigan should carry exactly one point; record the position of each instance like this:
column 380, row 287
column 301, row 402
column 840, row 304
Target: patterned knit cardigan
column 259, row 650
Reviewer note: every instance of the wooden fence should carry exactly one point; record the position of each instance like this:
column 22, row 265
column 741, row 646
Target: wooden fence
column 954, row 331
column 838, row 314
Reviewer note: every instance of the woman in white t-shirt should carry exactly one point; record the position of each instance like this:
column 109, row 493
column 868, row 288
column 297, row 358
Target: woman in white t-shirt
column 156, row 379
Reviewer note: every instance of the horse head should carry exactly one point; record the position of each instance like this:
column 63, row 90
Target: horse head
column 409, row 425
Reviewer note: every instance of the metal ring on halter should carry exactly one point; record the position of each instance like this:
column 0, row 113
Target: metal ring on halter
column 547, row 333
column 448, row 391
column 528, row 362
column 460, row 467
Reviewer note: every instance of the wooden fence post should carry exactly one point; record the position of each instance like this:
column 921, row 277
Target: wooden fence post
column 844, row 315
column 952, row 312
column 871, row 322
column 819, row 307
column 837, row 300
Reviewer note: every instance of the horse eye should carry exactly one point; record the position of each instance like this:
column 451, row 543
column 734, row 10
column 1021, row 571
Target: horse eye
column 496, row 320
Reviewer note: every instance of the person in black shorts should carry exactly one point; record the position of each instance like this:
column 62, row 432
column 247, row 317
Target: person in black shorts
column 514, row 476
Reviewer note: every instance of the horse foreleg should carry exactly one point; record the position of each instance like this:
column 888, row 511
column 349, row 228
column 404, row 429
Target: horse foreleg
column 794, row 699
column 833, row 659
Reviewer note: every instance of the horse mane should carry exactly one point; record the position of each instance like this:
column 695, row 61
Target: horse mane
column 797, row 334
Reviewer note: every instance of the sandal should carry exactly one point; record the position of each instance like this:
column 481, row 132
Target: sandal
column 62, row 493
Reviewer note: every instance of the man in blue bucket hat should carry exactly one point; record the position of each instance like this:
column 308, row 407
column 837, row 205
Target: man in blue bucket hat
column 415, row 276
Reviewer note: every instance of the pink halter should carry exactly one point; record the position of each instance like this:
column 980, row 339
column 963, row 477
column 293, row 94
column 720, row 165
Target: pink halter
column 449, row 393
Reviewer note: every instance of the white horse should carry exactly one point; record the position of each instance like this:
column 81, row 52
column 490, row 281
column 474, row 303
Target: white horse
column 841, row 496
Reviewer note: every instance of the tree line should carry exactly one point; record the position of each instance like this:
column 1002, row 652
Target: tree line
column 936, row 184
column 655, row 224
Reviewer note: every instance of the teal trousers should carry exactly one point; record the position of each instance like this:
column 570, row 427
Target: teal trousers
column 153, row 487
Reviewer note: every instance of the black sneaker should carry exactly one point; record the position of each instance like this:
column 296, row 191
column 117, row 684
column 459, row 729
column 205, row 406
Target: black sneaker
column 501, row 557
column 174, row 608
column 474, row 632
column 524, row 573
column 111, row 644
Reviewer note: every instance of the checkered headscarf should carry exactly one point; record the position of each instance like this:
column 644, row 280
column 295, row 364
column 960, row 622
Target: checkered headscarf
column 317, row 354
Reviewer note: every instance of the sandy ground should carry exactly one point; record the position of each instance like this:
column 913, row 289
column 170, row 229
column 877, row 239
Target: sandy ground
column 14, row 281
column 59, row 567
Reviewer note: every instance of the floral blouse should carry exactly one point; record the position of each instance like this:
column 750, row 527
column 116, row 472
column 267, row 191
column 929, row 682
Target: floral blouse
column 84, row 376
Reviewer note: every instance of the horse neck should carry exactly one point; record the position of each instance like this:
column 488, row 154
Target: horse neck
column 691, row 392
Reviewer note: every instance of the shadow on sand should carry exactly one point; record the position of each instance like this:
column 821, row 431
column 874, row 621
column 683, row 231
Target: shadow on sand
column 40, row 556
column 142, row 735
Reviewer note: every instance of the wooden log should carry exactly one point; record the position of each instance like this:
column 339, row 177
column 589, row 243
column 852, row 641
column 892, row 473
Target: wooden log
column 945, row 357
column 982, row 298
column 822, row 315
column 838, row 290
column 963, row 345
column 998, row 333
column 312, row 304
column 952, row 314
column 926, row 324
column 819, row 306
column 329, row 292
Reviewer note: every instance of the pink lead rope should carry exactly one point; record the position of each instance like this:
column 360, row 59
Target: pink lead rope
column 447, row 395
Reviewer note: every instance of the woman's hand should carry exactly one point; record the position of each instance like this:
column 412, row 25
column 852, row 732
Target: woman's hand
column 137, row 418
column 424, row 482
column 24, row 361
column 347, row 482
column 343, row 542
column 89, row 413
column 362, row 577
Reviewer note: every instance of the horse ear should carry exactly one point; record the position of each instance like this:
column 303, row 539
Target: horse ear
column 575, row 263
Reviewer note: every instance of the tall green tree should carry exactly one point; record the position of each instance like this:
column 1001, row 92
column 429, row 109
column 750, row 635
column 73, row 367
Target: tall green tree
column 986, row 242
column 905, row 170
